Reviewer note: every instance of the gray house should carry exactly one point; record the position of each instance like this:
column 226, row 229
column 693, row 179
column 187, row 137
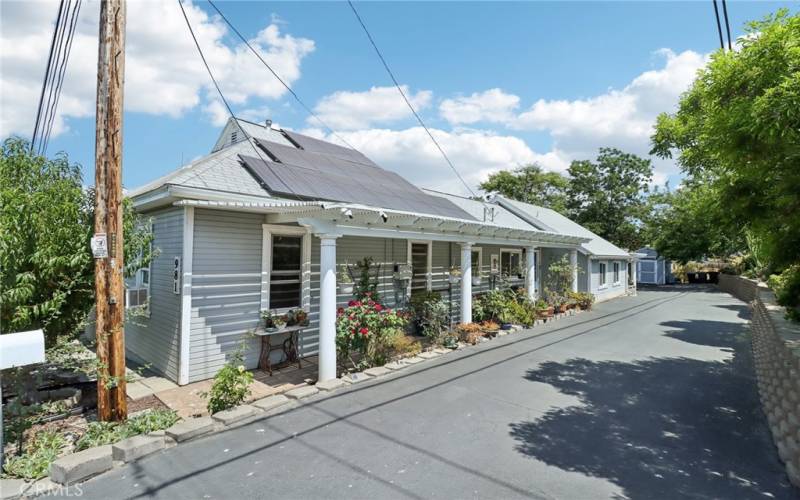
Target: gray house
column 266, row 219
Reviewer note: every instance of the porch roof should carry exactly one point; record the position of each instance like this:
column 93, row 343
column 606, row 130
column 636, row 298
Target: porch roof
column 342, row 219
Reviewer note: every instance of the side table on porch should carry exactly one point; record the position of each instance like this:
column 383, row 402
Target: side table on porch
column 289, row 346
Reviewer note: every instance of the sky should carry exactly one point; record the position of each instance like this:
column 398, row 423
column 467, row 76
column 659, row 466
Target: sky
column 500, row 85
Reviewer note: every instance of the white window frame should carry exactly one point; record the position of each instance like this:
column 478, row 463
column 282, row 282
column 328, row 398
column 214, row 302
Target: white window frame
column 615, row 269
column 429, row 272
column 266, row 264
column 479, row 251
column 138, row 283
column 517, row 251
column 603, row 271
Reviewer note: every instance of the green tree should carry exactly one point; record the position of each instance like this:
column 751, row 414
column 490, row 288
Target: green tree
column 738, row 128
column 691, row 224
column 530, row 184
column 46, row 221
column 609, row 196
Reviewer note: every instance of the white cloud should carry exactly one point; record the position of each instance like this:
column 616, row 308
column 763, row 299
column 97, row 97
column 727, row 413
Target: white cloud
column 164, row 74
column 411, row 153
column 618, row 118
column 492, row 105
column 345, row 110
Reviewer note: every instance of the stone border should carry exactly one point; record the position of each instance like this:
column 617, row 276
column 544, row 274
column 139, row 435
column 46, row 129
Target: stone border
column 776, row 354
column 70, row 470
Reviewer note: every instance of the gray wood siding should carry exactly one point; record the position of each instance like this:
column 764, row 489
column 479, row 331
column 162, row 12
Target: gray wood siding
column 155, row 340
column 226, row 289
column 611, row 289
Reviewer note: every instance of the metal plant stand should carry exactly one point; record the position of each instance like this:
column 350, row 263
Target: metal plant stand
column 288, row 346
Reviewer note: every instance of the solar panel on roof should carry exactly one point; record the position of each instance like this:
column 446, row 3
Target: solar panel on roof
column 319, row 146
column 315, row 181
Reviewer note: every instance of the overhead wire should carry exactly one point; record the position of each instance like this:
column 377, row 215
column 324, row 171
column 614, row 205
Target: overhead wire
column 61, row 73
column 405, row 98
column 719, row 26
column 727, row 24
column 248, row 137
column 46, row 76
column 275, row 74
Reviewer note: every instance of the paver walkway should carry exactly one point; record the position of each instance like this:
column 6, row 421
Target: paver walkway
column 644, row 397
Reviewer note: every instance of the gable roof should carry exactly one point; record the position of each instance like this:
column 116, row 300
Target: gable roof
column 550, row 220
column 279, row 164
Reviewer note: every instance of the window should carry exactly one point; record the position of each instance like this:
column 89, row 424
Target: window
column 477, row 257
column 137, row 293
column 286, row 275
column 511, row 262
column 602, row 273
column 616, row 273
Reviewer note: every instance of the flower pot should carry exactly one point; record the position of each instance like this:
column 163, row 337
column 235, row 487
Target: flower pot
column 550, row 311
column 562, row 308
column 476, row 281
column 454, row 279
column 346, row 288
column 505, row 326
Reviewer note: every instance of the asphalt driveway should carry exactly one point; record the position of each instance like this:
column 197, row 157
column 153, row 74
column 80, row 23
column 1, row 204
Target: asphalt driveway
column 645, row 397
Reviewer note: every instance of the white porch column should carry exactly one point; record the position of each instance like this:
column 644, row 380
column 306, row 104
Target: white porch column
column 634, row 265
column 466, row 282
column 530, row 282
column 327, row 308
column 573, row 261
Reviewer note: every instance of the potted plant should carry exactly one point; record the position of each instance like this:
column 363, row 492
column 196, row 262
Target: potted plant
column 279, row 321
column 297, row 317
column 490, row 327
column 269, row 320
column 345, row 281
column 454, row 275
column 476, row 280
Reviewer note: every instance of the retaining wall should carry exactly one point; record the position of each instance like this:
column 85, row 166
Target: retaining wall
column 776, row 351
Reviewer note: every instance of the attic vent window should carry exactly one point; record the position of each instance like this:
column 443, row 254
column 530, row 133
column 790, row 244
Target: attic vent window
column 234, row 136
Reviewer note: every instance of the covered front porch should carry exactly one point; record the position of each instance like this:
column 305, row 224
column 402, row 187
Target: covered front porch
column 413, row 252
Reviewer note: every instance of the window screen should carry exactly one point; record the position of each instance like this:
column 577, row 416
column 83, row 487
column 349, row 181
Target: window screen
column 602, row 273
column 419, row 267
column 476, row 264
column 510, row 263
column 285, row 285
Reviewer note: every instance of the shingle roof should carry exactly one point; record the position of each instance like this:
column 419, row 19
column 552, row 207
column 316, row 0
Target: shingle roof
column 488, row 213
column 548, row 219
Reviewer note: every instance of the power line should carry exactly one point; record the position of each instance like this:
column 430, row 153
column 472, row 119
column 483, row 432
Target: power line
column 225, row 101
column 61, row 73
column 719, row 26
column 727, row 25
column 288, row 88
column 405, row 98
column 46, row 75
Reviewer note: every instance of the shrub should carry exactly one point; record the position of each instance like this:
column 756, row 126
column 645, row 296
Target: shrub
column 469, row 332
column 522, row 312
column 400, row 344
column 43, row 449
column 231, row 384
column 361, row 328
column 434, row 320
column 787, row 290
column 584, row 300
column 102, row 433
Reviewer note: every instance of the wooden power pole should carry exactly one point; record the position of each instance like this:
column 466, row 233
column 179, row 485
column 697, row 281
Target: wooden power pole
column 107, row 241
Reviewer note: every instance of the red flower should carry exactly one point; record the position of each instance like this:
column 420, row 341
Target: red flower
column 364, row 331
column 340, row 311
column 378, row 307
column 351, row 303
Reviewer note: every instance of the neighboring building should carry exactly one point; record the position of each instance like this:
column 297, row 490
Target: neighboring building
column 264, row 221
column 607, row 271
column 652, row 268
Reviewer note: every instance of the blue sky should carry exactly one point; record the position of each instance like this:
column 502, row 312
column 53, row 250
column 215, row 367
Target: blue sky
column 474, row 68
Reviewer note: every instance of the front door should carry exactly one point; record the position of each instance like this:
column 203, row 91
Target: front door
column 420, row 267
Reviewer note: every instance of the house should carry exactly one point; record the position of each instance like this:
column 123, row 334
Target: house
column 266, row 220
column 606, row 270
column 653, row 268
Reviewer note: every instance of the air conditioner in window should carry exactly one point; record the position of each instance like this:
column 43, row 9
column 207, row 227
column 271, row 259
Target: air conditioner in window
column 136, row 297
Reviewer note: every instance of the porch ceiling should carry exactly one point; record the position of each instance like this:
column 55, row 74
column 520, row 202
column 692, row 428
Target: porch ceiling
column 361, row 220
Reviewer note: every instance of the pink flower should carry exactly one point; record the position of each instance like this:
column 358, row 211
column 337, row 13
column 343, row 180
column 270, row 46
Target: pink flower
column 378, row 307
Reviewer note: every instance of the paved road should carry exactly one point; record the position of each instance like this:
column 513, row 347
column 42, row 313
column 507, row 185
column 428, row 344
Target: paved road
column 645, row 397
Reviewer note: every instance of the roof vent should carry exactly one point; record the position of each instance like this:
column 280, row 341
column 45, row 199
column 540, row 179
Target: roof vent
column 268, row 123
column 234, row 136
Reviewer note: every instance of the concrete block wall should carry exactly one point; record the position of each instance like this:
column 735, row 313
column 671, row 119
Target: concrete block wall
column 776, row 353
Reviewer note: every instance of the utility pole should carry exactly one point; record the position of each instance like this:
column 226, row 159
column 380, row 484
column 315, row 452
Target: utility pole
column 107, row 241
